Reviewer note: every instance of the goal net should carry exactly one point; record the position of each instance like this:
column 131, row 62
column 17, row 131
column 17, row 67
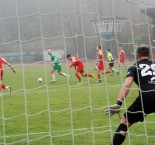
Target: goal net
column 64, row 113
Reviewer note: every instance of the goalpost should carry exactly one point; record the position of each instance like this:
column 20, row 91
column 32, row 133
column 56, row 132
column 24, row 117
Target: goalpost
column 64, row 113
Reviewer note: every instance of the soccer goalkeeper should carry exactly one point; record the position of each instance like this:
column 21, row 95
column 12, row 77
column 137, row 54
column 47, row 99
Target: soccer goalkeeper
column 143, row 74
column 56, row 66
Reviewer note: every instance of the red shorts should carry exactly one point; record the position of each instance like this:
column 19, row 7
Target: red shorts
column 1, row 74
column 122, row 60
column 80, row 69
column 100, row 66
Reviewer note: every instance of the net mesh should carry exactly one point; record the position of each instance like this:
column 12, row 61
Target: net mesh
column 64, row 113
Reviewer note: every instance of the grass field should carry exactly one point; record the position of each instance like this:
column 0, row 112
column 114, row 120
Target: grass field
column 64, row 114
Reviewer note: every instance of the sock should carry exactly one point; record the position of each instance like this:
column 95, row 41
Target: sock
column 88, row 75
column 78, row 77
column 53, row 77
column 118, row 138
column 114, row 69
column 3, row 86
column 65, row 75
column 108, row 71
column 99, row 76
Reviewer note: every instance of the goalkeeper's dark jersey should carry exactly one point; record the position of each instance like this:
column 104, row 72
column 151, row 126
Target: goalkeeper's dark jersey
column 143, row 73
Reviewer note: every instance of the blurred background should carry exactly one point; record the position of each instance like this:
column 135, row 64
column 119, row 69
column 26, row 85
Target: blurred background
column 28, row 28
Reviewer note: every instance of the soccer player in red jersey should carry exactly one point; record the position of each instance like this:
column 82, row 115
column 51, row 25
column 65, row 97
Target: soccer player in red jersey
column 3, row 86
column 121, row 57
column 79, row 67
column 100, row 63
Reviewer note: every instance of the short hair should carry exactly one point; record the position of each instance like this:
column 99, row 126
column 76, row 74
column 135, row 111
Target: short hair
column 99, row 46
column 143, row 51
column 108, row 50
column 68, row 55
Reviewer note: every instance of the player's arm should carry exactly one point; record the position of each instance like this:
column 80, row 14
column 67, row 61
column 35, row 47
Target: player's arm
column 112, row 109
column 125, row 89
column 55, row 60
column 72, row 64
column 8, row 65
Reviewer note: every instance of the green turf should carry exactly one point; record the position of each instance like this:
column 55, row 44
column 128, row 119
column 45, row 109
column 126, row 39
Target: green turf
column 62, row 114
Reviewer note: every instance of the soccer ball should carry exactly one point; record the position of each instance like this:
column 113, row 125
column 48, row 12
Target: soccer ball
column 40, row 79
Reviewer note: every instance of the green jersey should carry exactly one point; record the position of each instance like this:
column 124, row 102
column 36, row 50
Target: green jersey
column 55, row 59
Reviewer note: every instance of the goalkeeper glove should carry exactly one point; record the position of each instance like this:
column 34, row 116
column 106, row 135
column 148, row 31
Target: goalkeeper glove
column 112, row 109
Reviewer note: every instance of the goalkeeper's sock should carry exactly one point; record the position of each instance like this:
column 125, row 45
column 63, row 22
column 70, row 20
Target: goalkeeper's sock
column 78, row 77
column 99, row 77
column 53, row 77
column 118, row 137
column 65, row 75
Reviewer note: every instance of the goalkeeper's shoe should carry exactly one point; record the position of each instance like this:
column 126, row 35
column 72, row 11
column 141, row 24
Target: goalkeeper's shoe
column 54, row 80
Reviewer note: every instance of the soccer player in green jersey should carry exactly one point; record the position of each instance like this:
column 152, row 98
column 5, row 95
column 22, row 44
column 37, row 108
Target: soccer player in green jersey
column 111, row 62
column 56, row 66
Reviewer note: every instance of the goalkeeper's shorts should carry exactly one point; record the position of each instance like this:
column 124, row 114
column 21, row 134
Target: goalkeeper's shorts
column 140, row 108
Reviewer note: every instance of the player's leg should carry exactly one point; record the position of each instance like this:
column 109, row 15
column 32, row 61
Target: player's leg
column 87, row 75
column 53, row 74
column 98, row 75
column 113, row 69
column 3, row 86
column 110, row 68
column 96, row 66
column 121, row 132
column 1, row 74
column 62, row 73
column 80, row 69
column 78, row 76
column 100, row 69
column 134, row 114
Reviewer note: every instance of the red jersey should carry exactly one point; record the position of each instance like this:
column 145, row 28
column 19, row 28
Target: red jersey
column 2, row 60
column 76, row 62
column 122, row 54
column 100, row 56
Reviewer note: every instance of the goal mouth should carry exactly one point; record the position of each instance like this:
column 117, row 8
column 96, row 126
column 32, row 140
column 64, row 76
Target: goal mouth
column 50, row 100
